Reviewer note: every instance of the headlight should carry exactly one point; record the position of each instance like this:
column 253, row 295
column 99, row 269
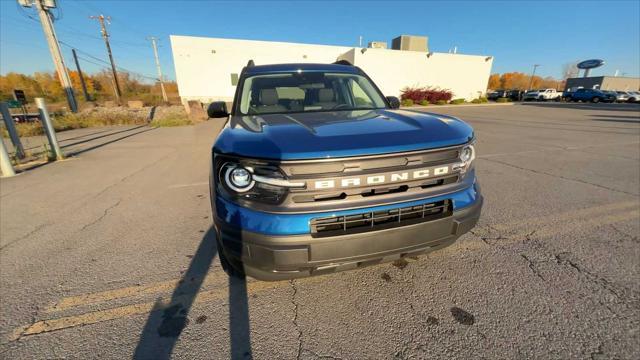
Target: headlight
column 237, row 178
column 251, row 180
column 467, row 155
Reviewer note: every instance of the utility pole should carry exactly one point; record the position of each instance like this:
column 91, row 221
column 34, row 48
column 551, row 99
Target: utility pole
column 84, row 86
column 154, row 40
column 49, row 32
column 105, row 36
column 535, row 66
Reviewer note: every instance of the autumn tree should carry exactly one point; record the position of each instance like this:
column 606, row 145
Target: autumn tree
column 494, row 82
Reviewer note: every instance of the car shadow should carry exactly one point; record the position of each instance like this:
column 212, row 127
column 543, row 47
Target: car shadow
column 585, row 106
column 168, row 319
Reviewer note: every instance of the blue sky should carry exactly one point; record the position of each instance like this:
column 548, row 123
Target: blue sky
column 517, row 34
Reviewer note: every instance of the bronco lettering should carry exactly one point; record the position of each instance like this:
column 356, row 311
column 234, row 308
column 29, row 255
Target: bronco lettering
column 378, row 179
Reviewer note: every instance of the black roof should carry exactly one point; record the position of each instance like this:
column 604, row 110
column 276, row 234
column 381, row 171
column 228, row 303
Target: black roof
column 275, row 68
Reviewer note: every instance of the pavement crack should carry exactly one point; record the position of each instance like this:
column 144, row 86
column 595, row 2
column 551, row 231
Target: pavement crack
column 37, row 228
column 532, row 266
column 295, row 316
column 619, row 292
column 125, row 178
column 560, row 177
column 104, row 214
column 489, row 240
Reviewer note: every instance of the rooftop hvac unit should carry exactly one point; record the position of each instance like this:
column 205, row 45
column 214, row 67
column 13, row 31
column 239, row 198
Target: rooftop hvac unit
column 378, row 45
column 410, row 43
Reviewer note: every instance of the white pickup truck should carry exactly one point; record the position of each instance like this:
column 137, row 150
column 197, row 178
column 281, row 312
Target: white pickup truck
column 542, row 95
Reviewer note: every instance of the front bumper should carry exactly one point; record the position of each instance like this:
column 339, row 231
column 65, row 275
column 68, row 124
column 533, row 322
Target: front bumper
column 269, row 256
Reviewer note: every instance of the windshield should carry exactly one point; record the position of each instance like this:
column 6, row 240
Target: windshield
column 308, row 92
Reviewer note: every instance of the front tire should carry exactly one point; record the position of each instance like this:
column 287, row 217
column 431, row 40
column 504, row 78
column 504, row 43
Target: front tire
column 595, row 100
column 233, row 268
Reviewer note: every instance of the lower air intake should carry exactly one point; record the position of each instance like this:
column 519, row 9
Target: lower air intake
column 378, row 220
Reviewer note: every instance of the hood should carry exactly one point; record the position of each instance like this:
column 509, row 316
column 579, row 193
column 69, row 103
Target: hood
column 315, row 135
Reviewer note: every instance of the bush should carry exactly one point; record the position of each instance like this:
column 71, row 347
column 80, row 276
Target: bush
column 503, row 100
column 483, row 99
column 424, row 102
column 441, row 102
column 431, row 95
column 406, row 102
column 476, row 101
column 457, row 101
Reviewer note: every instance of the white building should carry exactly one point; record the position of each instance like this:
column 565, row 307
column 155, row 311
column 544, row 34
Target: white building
column 207, row 68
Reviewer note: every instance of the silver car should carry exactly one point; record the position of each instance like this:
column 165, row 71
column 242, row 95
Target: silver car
column 633, row 96
column 622, row 96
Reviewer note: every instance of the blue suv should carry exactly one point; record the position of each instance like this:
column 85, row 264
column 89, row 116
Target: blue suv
column 316, row 172
column 591, row 95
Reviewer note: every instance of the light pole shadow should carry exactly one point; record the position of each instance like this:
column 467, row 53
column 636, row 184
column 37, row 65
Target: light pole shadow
column 167, row 320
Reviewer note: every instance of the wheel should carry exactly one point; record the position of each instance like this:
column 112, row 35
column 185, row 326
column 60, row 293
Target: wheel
column 595, row 100
column 540, row 98
column 568, row 99
column 232, row 267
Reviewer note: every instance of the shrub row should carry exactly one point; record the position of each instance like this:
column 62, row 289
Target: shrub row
column 425, row 94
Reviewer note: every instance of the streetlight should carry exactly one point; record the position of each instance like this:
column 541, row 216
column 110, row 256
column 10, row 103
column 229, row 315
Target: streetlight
column 535, row 66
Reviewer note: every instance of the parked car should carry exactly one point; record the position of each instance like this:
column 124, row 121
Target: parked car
column 495, row 95
column 515, row 95
column 316, row 172
column 542, row 95
column 622, row 96
column 592, row 95
column 634, row 96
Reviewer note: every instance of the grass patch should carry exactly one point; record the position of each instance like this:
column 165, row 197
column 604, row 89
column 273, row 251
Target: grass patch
column 441, row 102
column 170, row 122
column 503, row 100
column 457, row 101
column 406, row 102
column 25, row 129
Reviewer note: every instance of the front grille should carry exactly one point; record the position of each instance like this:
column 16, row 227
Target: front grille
column 378, row 220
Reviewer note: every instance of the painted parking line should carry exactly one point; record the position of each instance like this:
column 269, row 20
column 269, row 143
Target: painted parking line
column 214, row 279
column 94, row 317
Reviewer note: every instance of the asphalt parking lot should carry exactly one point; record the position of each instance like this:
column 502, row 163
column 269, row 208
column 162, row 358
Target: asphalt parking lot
column 110, row 255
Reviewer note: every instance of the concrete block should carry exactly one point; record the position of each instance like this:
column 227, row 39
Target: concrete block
column 195, row 111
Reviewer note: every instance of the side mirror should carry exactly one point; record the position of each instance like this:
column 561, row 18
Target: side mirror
column 394, row 102
column 217, row 109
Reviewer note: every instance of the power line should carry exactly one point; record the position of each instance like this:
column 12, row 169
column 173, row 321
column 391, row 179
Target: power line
column 105, row 62
column 93, row 62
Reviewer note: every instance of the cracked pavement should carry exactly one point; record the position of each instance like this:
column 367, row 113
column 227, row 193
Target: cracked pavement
column 110, row 255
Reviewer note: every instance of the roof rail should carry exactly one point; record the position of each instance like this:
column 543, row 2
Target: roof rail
column 343, row 62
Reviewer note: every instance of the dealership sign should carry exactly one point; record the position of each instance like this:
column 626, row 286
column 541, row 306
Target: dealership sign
column 590, row 64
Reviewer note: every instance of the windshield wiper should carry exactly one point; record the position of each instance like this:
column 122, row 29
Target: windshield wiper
column 313, row 131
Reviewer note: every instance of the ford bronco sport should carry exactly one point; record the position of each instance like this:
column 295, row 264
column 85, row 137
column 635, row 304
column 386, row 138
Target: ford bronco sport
column 316, row 172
